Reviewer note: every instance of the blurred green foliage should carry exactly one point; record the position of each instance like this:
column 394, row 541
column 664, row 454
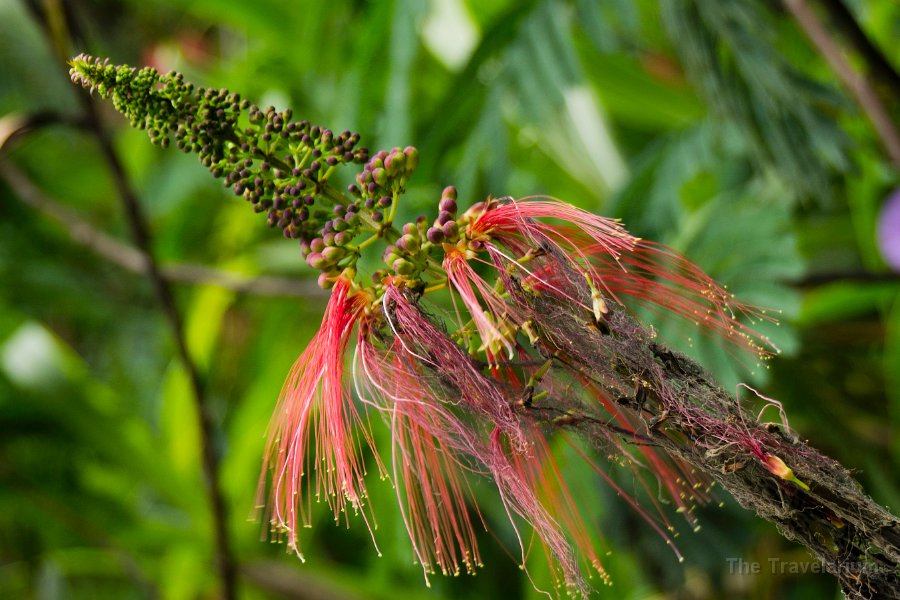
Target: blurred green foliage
column 710, row 126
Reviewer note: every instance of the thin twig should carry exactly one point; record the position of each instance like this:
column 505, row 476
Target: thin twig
column 858, row 85
column 696, row 421
column 883, row 72
column 15, row 125
column 140, row 232
column 57, row 22
column 130, row 258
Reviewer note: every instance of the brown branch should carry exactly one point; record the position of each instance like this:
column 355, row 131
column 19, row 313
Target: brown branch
column 285, row 581
column 131, row 259
column 140, row 232
column 692, row 418
column 15, row 125
column 57, row 24
column 881, row 69
column 858, row 85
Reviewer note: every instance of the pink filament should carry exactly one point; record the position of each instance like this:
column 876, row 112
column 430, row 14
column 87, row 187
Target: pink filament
column 625, row 266
column 314, row 402
column 428, row 445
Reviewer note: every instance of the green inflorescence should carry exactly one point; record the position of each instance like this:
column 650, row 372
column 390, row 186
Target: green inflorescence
column 282, row 167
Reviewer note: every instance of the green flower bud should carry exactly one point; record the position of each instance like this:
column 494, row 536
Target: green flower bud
column 334, row 253
column 401, row 266
column 412, row 157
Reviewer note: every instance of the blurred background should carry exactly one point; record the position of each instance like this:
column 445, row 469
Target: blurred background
column 715, row 127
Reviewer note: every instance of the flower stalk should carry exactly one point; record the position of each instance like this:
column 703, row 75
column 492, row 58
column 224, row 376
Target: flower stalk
column 541, row 339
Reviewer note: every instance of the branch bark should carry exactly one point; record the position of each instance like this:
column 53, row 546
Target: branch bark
column 858, row 85
column 140, row 232
column 58, row 25
column 881, row 69
column 130, row 258
column 686, row 413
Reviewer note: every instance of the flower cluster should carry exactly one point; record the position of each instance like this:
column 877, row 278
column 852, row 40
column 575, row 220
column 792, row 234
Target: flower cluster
column 529, row 334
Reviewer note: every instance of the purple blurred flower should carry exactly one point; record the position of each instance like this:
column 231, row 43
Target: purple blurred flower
column 889, row 230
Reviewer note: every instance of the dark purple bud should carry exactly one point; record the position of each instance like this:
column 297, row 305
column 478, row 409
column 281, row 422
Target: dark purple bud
column 435, row 235
column 384, row 201
column 340, row 210
column 450, row 229
column 448, row 205
column 377, row 216
column 444, row 217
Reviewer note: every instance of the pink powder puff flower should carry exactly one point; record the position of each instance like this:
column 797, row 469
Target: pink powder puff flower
column 429, row 449
column 494, row 324
column 625, row 267
column 314, row 402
